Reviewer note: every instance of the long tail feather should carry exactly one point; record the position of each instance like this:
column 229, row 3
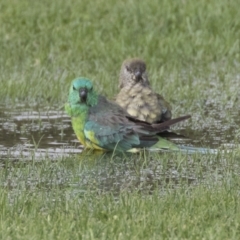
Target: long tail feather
column 172, row 135
column 166, row 124
column 164, row 144
column 189, row 149
column 158, row 127
column 186, row 149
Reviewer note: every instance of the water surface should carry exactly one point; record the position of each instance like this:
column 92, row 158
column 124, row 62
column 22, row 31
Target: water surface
column 38, row 150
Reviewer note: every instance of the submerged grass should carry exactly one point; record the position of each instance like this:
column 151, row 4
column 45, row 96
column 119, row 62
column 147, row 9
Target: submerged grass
column 192, row 51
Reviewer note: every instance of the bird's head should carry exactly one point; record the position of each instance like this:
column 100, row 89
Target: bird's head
column 81, row 93
column 133, row 71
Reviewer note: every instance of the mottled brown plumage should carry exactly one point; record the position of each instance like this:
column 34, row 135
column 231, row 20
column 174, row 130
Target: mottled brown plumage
column 136, row 95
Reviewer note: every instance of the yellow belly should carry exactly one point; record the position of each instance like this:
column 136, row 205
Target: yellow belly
column 78, row 128
column 93, row 146
column 86, row 138
column 91, row 141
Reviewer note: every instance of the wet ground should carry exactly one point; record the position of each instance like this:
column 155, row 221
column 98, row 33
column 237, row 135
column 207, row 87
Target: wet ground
column 46, row 131
column 49, row 130
column 38, row 150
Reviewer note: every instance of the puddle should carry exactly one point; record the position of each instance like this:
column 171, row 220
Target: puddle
column 27, row 131
column 33, row 140
column 49, row 130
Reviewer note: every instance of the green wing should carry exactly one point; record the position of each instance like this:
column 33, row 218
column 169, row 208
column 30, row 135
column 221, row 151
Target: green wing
column 108, row 127
column 109, row 138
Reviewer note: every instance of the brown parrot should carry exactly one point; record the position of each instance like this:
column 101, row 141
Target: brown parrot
column 136, row 95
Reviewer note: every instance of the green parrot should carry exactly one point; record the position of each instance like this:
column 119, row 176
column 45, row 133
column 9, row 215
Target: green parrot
column 136, row 95
column 104, row 125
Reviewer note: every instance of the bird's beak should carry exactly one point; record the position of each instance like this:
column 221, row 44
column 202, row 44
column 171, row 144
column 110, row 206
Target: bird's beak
column 83, row 94
column 138, row 75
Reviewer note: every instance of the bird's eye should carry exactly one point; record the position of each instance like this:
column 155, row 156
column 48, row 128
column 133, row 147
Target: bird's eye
column 74, row 88
column 128, row 69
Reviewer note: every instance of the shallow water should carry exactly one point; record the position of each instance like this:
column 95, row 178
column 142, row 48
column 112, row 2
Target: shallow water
column 24, row 130
column 38, row 150
column 49, row 130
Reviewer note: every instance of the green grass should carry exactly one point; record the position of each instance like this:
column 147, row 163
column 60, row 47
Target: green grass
column 204, row 213
column 141, row 196
column 132, row 197
column 192, row 50
column 44, row 45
